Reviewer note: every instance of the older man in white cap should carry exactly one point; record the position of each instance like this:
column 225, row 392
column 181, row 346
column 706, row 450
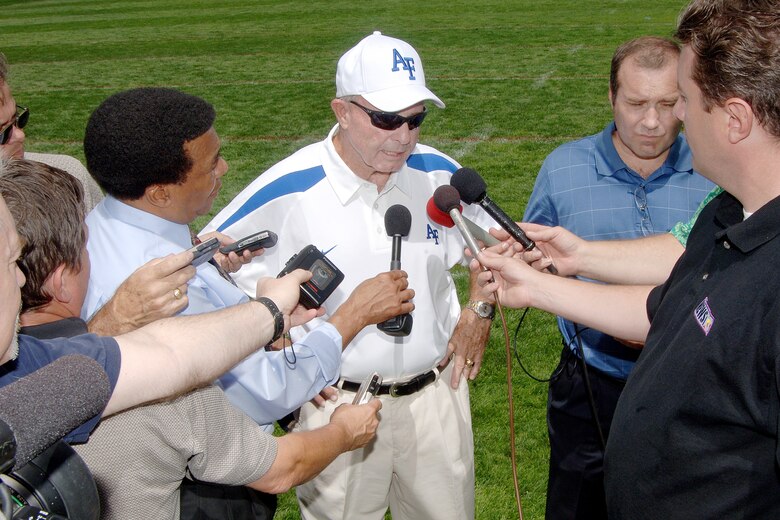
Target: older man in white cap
column 334, row 194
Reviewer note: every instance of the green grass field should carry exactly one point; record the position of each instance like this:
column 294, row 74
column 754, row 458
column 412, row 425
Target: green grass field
column 518, row 77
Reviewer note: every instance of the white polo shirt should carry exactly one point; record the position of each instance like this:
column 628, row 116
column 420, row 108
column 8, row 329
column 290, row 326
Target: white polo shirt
column 312, row 197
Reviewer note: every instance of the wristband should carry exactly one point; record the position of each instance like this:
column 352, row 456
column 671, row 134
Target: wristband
column 277, row 315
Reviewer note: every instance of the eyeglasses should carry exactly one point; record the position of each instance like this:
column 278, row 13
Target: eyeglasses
column 391, row 121
column 640, row 201
column 19, row 121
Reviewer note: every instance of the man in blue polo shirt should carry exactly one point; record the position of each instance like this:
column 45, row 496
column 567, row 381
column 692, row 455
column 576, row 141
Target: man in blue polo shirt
column 633, row 179
column 695, row 433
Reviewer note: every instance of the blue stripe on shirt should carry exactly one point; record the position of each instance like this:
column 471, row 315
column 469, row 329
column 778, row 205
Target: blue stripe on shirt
column 291, row 183
column 429, row 162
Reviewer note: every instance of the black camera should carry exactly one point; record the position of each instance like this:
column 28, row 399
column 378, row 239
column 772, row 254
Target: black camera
column 56, row 484
column 325, row 276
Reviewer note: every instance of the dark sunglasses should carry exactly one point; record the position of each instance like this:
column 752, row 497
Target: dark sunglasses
column 391, row 121
column 19, row 121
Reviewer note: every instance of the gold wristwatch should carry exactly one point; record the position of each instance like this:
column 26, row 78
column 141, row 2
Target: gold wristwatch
column 482, row 309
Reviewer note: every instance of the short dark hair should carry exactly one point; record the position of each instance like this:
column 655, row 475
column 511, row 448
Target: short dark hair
column 737, row 49
column 136, row 138
column 47, row 205
column 649, row 52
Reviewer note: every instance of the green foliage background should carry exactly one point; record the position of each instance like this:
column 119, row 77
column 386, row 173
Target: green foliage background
column 519, row 78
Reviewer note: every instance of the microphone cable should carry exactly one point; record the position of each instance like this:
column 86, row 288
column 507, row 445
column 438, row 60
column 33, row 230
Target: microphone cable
column 510, row 399
column 557, row 372
column 579, row 359
column 591, row 400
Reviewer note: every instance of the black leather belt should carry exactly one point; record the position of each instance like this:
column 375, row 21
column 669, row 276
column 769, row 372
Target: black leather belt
column 399, row 389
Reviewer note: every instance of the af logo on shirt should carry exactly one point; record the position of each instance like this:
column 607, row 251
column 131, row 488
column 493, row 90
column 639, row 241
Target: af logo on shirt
column 406, row 64
column 432, row 234
column 704, row 316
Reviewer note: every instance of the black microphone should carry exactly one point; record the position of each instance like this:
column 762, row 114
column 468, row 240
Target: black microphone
column 472, row 188
column 46, row 405
column 398, row 222
column 447, row 199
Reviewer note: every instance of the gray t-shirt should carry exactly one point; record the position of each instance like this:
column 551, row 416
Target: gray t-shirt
column 139, row 457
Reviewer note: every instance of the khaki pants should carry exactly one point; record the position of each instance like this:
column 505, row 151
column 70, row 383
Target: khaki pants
column 421, row 463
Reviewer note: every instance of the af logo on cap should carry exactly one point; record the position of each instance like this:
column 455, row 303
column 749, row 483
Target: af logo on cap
column 406, row 64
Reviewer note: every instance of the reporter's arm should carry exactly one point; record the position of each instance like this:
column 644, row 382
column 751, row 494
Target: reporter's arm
column 618, row 310
column 641, row 261
column 177, row 354
column 302, row 455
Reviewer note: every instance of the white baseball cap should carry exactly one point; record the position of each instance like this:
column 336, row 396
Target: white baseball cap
column 386, row 71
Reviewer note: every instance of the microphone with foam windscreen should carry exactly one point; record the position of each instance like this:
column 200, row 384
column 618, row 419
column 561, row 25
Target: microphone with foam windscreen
column 44, row 406
column 443, row 219
column 398, row 222
column 447, row 199
column 472, row 189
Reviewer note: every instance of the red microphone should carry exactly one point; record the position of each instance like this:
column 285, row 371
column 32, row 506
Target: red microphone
column 438, row 216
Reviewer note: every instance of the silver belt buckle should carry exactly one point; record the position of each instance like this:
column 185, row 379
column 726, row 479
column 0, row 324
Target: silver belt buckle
column 393, row 391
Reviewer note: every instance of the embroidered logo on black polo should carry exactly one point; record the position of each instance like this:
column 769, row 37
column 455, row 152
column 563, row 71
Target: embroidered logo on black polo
column 704, row 316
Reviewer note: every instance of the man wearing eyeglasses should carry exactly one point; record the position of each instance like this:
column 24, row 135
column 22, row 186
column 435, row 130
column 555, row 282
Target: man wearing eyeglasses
column 633, row 179
column 13, row 118
column 334, row 194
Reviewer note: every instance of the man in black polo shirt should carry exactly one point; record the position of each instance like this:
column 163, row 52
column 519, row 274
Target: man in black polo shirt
column 695, row 433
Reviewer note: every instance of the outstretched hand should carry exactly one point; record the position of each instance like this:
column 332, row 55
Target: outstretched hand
column 156, row 290
column 358, row 422
column 508, row 278
column 230, row 262
column 285, row 293
column 555, row 245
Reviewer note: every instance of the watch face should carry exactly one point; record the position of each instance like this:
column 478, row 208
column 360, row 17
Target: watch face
column 483, row 309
